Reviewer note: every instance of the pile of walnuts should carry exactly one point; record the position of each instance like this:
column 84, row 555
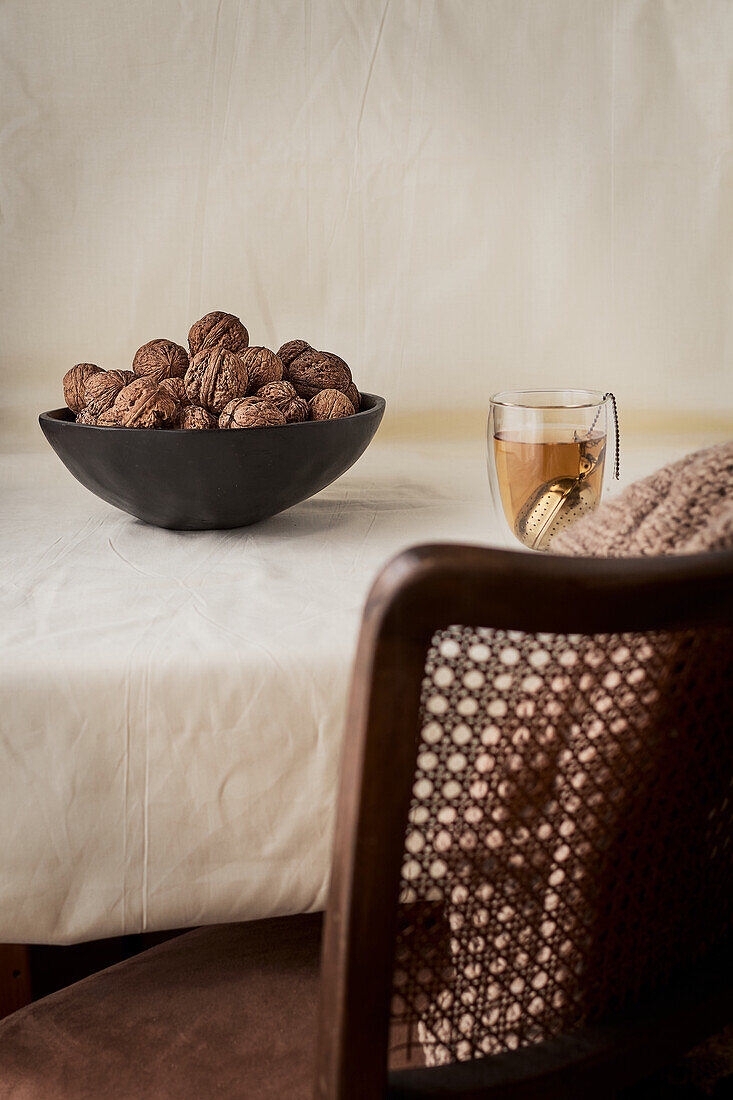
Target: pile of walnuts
column 221, row 382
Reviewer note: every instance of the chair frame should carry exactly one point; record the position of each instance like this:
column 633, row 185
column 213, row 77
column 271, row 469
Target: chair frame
column 421, row 591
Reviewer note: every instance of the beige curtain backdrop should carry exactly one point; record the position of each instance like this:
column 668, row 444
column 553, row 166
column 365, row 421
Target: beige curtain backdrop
column 456, row 195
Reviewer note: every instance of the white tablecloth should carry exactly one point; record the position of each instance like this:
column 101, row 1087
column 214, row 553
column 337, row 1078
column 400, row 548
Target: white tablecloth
column 172, row 704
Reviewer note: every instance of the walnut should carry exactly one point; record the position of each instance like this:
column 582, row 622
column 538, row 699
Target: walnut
column 330, row 405
column 277, row 392
column 160, row 359
column 263, row 366
column 296, row 411
column 177, row 388
column 291, row 351
column 218, row 328
column 192, row 416
column 74, row 380
column 354, row 397
column 283, row 394
column 252, row 399
column 86, row 417
column 313, row 371
column 100, row 390
column 338, row 362
column 143, row 404
column 215, row 377
column 250, row 413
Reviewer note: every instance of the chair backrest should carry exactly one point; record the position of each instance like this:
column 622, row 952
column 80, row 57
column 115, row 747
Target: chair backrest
column 535, row 823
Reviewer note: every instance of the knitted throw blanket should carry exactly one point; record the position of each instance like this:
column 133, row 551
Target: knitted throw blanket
column 684, row 508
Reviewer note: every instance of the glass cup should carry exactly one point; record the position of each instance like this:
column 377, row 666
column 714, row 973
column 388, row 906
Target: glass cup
column 547, row 459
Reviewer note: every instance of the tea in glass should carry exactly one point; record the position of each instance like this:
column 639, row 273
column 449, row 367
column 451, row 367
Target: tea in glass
column 546, row 456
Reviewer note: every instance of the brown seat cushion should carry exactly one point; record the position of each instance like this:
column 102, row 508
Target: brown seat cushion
column 227, row 1011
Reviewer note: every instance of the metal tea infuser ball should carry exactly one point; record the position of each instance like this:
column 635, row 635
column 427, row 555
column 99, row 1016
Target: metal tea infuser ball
column 561, row 501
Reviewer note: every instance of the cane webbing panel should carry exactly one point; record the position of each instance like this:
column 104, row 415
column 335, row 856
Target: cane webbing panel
column 569, row 837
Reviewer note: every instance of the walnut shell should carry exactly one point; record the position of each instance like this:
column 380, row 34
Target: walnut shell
column 160, row 359
column 227, row 415
column 253, row 399
column 296, row 411
column 263, row 366
column 215, row 377
column 143, row 404
column 100, row 390
column 277, row 392
column 313, row 371
column 354, row 397
column 330, row 405
column 291, row 351
column 193, row 416
column 218, row 328
column 86, row 417
column 282, row 394
column 74, row 381
column 251, row 414
column 339, row 362
column 177, row 388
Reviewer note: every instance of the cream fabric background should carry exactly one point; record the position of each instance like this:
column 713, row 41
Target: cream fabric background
column 456, row 196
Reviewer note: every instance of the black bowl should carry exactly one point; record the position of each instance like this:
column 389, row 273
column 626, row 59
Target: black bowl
column 203, row 480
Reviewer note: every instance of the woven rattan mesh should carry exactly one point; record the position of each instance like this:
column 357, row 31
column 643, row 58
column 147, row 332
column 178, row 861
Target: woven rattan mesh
column 569, row 837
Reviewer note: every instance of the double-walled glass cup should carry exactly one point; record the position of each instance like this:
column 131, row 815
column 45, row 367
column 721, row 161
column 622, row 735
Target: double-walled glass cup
column 546, row 454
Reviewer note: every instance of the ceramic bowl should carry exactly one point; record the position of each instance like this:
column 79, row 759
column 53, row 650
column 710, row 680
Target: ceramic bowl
column 204, row 480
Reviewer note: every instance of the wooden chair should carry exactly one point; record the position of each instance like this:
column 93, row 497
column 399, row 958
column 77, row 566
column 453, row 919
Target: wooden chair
column 532, row 863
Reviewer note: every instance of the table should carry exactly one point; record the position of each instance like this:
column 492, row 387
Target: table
column 172, row 703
